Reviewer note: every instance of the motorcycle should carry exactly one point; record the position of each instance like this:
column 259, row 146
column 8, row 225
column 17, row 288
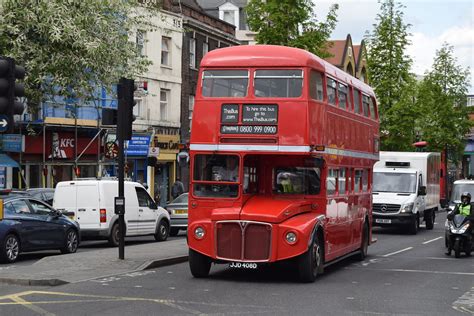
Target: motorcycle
column 458, row 234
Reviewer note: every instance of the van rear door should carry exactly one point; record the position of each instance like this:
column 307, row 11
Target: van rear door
column 65, row 199
column 88, row 214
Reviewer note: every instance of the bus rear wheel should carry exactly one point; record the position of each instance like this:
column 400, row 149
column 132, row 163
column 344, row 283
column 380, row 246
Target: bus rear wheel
column 199, row 264
column 310, row 264
column 364, row 246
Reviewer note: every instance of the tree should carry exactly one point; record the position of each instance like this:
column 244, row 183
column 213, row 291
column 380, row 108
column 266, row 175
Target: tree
column 442, row 102
column 291, row 23
column 69, row 48
column 389, row 74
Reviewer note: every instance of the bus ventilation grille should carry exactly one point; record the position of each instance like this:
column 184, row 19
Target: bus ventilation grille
column 243, row 241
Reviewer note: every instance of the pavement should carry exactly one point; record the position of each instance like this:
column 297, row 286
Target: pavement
column 100, row 263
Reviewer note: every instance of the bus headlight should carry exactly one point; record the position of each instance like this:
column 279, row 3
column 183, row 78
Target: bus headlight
column 199, row 232
column 406, row 208
column 290, row 238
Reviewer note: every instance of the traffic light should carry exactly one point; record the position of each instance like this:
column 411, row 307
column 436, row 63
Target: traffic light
column 126, row 102
column 10, row 90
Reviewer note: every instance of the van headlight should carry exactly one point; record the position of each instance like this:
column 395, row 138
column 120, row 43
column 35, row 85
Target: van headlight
column 406, row 208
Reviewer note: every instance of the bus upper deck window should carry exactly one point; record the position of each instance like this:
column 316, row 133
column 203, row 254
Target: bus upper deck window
column 356, row 101
column 225, row 83
column 342, row 94
column 365, row 105
column 316, row 85
column 286, row 83
column 372, row 108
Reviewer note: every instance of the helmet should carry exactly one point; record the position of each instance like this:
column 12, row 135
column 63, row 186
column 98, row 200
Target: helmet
column 466, row 195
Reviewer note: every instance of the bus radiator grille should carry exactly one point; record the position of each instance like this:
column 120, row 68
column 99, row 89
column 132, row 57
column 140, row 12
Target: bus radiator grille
column 245, row 241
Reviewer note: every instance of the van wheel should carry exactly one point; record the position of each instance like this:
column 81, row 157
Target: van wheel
column 10, row 249
column 429, row 219
column 414, row 225
column 114, row 237
column 199, row 264
column 174, row 232
column 72, row 241
column 310, row 264
column 162, row 231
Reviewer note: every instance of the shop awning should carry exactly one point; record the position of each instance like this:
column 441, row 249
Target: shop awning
column 469, row 149
column 6, row 161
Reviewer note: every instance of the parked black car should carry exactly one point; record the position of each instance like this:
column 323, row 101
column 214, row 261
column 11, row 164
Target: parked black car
column 29, row 224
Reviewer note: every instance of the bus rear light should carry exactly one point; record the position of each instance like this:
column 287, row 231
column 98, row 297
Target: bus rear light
column 291, row 238
column 103, row 215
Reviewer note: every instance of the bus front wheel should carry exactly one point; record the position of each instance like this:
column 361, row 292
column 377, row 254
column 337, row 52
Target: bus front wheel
column 310, row 264
column 199, row 264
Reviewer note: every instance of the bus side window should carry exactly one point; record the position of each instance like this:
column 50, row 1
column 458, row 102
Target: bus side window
column 365, row 180
column 342, row 181
column 357, row 181
column 356, row 94
column 331, row 182
column 342, row 95
column 365, row 105
column 331, row 91
column 372, row 108
column 316, row 85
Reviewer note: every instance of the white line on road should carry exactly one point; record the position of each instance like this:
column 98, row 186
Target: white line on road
column 428, row 241
column 394, row 253
column 414, row 271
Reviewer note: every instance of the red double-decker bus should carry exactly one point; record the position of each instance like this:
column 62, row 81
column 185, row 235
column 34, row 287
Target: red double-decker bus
column 282, row 149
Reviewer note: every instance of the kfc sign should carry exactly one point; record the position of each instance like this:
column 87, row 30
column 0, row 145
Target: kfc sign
column 60, row 145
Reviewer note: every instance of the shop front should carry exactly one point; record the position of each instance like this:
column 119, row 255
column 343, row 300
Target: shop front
column 165, row 167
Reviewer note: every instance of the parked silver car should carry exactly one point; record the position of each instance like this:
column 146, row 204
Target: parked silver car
column 178, row 209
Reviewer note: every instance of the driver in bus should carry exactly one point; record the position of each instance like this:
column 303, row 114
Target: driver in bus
column 231, row 170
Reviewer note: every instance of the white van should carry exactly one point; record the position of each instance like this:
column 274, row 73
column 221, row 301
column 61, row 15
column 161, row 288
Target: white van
column 91, row 203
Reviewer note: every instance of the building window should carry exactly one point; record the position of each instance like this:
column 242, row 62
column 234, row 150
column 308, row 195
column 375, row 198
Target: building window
column 205, row 49
column 229, row 17
column 165, row 51
column 164, row 100
column 192, row 53
column 191, row 106
column 140, row 41
column 138, row 109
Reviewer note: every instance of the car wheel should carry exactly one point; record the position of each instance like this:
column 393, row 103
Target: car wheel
column 72, row 241
column 162, row 231
column 11, row 249
column 114, row 237
column 415, row 223
column 199, row 264
column 310, row 264
column 174, row 231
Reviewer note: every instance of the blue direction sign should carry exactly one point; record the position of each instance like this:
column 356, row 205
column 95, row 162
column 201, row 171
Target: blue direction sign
column 3, row 123
column 12, row 142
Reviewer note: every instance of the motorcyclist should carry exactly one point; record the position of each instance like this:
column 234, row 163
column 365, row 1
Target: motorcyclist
column 465, row 208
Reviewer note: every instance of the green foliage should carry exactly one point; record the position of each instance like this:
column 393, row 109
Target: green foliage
column 291, row 23
column 442, row 102
column 70, row 47
column 389, row 75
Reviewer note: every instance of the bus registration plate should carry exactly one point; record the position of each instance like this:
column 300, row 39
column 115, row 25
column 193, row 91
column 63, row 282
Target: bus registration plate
column 383, row 221
column 243, row 265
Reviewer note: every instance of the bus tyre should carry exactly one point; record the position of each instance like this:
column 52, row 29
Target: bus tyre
column 310, row 264
column 429, row 219
column 199, row 264
column 114, row 237
column 162, row 231
column 415, row 223
column 364, row 246
column 174, row 231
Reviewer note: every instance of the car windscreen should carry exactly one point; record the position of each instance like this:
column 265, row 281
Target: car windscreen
column 460, row 188
column 394, row 182
column 182, row 199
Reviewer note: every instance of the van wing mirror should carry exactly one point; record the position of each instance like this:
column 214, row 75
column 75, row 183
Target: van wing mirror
column 422, row 190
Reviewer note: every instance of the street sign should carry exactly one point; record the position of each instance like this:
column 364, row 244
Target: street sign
column 13, row 143
column 154, row 152
column 3, row 123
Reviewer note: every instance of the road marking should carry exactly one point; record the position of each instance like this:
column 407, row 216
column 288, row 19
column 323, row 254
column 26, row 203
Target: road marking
column 465, row 303
column 415, row 271
column 428, row 241
column 29, row 305
column 394, row 253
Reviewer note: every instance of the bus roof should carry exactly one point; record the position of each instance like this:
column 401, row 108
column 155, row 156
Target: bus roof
column 250, row 56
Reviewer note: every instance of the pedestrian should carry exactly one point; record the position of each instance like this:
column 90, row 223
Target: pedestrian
column 177, row 189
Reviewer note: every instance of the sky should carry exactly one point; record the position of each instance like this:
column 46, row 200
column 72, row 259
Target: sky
column 432, row 23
